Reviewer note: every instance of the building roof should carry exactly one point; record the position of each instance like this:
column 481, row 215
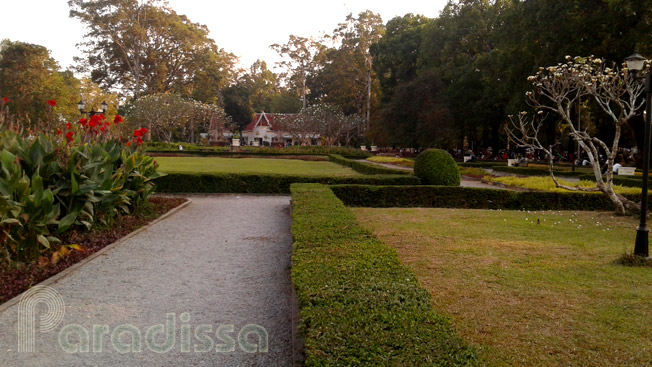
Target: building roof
column 261, row 119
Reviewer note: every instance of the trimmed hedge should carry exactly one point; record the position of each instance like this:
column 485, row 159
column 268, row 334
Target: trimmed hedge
column 161, row 147
column 629, row 181
column 527, row 171
column 366, row 168
column 359, row 306
column 483, row 164
column 437, row 167
column 468, row 198
column 263, row 184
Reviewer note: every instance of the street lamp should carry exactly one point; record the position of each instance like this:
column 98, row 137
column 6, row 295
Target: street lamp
column 635, row 63
column 81, row 105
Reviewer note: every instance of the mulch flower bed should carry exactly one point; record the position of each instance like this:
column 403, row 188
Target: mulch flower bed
column 14, row 281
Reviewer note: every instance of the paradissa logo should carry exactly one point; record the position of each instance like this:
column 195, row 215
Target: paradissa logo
column 127, row 338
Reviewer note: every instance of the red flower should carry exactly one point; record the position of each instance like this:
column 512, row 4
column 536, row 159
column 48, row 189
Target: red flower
column 59, row 132
column 140, row 132
column 117, row 119
column 103, row 128
column 5, row 99
column 52, row 102
column 83, row 122
column 68, row 125
column 95, row 120
column 128, row 143
column 69, row 136
column 102, row 116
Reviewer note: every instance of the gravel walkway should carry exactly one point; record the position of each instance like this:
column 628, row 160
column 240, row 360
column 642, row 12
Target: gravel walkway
column 216, row 270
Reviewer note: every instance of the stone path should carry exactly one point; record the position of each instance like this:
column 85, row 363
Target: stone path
column 201, row 287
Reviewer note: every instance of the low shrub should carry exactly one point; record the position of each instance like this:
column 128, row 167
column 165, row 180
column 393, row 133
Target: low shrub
column 546, row 183
column 359, row 306
column 263, row 184
column 366, row 168
column 392, row 160
column 437, row 167
column 483, row 164
column 629, row 181
column 536, row 171
column 629, row 259
column 254, row 151
column 468, row 198
column 49, row 184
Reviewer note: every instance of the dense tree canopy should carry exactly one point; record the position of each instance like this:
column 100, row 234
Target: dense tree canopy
column 415, row 81
column 482, row 51
column 146, row 47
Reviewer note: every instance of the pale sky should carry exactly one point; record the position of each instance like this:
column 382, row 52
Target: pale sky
column 243, row 27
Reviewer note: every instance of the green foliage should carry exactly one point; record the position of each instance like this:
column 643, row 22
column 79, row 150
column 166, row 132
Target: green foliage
column 359, row 306
column 366, row 168
column 629, row 259
column 147, row 47
column 487, row 164
column 48, row 186
column 405, row 162
column 536, row 171
column 629, row 181
column 256, row 151
column 546, row 183
column 468, row 198
column 237, row 105
column 263, row 184
column 437, row 167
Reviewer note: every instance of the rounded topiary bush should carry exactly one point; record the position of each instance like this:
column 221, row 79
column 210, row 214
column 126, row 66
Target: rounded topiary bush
column 437, row 167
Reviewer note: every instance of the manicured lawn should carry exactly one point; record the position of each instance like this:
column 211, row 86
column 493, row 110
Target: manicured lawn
column 544, row 183
column 529, row 294
column 252, row 165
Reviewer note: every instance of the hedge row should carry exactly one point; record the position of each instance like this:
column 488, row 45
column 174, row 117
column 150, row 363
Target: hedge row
column 366, row 168
column 536, row 171
column 359, row 306
column 630, row 181
column 468, row 198
column 263, row 184
column 160, row 147
column 483, row 164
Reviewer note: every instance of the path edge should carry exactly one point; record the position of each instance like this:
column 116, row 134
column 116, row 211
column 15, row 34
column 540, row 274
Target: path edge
column 64, row 273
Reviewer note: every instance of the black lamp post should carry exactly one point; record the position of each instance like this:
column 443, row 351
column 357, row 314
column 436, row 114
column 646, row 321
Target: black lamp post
column 635, row 63
column 81, row 105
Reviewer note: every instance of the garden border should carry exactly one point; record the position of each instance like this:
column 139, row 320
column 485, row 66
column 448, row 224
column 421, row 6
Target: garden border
column 359, row 305
column 67, row 271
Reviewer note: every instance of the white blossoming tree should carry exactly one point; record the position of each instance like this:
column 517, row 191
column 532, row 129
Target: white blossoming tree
column 556, row 90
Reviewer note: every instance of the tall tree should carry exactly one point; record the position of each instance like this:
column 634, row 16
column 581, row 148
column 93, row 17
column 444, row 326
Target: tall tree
column 262, row 85
column 142, row 47
column 29, row 77
column 301, row 61
column 237, row 105
column 357, row 35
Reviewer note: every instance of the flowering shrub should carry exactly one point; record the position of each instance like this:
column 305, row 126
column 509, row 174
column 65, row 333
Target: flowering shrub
column 80, row 175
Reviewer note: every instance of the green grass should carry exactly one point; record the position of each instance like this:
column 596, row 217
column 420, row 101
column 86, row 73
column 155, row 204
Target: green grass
column 528, row 294
column 391, row 160
column 359, row 306
column 547, row 184
column 292, row 167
